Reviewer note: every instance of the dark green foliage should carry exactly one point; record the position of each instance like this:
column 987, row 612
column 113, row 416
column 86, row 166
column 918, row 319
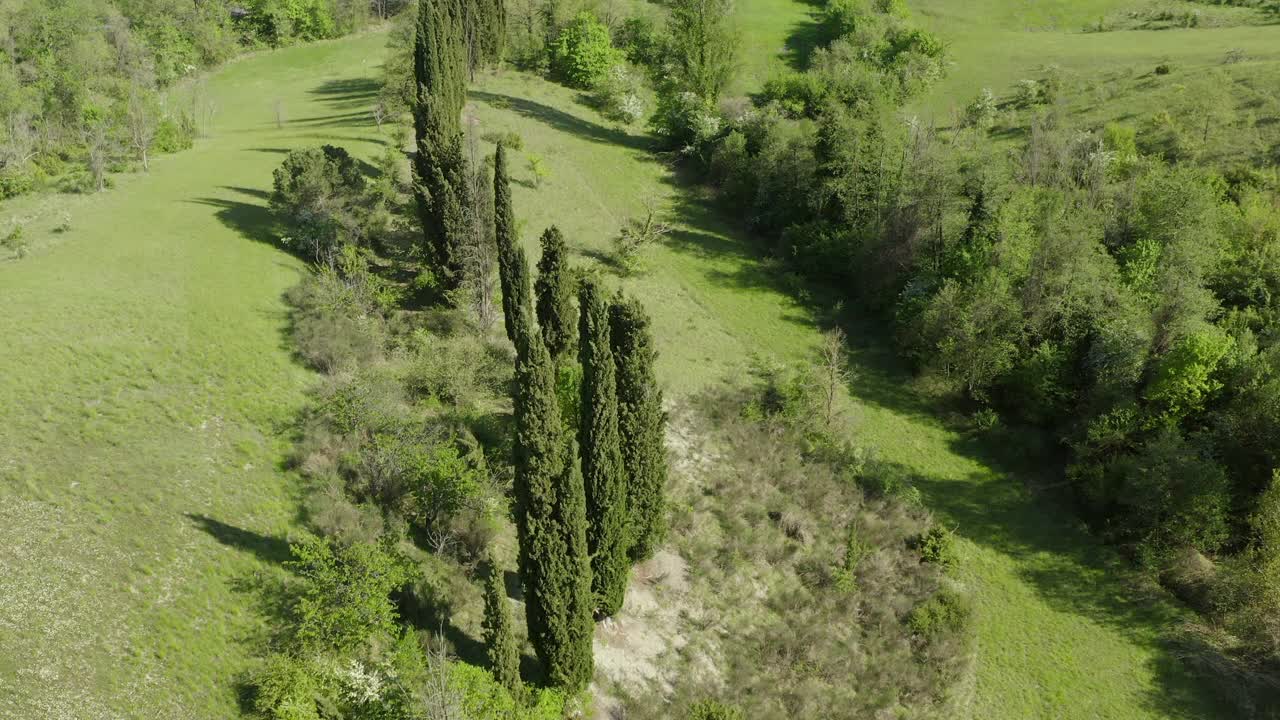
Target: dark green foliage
column 486, row 25
column 937, row 546
column 318, row 191
column 574, row 662
column 514, row 281
column 441, row 184
column 602, row 468
column 499, row 635
column 554, row 291
column 641, row 424
column 550, row 512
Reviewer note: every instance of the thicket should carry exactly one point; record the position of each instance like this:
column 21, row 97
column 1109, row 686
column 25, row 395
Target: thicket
column 1120, row 300
column 807, row 584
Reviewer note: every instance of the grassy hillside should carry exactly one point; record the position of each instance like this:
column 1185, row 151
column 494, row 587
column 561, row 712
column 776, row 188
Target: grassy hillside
column 145, row 388
column 140, row 461
column 1060, row 630
column 1109, row 75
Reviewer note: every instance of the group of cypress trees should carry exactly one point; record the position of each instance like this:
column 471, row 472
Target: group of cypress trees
column 580, row 518
column 586, row 505
column 452, row 37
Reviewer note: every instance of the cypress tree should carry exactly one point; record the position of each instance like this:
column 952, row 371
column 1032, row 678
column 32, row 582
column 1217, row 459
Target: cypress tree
column 555, row 295
column 641, row 425
column 486, row 32
column 602, row 455
column 539, row 464
column 550, row 515
column 440, row 166
column 499, row 637
column 574, row 662
column 514, row 281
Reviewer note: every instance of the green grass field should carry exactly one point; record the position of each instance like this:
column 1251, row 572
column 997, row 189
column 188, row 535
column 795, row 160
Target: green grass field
column 145, row 388
column 148, row 393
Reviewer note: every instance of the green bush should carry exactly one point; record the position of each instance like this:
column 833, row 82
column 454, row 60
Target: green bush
column 173, row 135
column 946, row 612
column 583, row 53
column 937, row 545
column 715, row 710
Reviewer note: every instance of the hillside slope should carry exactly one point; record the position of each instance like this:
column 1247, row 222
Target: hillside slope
column 145, row 387
column 148, row 388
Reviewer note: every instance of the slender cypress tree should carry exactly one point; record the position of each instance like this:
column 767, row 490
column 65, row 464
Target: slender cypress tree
column 499, row 637
column 576, row 663
column 486, row 32
column 515, row 283
column 554, row 292
column 441, row 185
column 539, row 464
column 641, row 424
column 550, row 512
column 602, row 470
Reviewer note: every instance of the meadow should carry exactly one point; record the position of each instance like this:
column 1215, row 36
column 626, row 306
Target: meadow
column 150, row 393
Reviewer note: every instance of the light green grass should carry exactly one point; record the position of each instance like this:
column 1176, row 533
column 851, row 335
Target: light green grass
column 994, row 43
column 145, row 386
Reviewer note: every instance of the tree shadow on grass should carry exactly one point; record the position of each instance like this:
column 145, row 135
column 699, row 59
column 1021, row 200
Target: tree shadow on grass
column 265, row 547
column 805, row 37
column 250, row 220
column 347, row 93
column 1070, row 571
column 562, row 121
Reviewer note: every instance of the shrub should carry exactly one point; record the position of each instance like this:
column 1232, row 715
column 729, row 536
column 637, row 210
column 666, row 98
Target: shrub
column 583, row 53
column 15, row 181
column 937, row 546
column 317, row 191
column 619, row 95
column 509, row 139
column 173, row 135
column 347, row 594
column 715, row 710
column 14, row 242
column 981, row 113
column 689, row 123
column 946, row 612
column 1164, row 69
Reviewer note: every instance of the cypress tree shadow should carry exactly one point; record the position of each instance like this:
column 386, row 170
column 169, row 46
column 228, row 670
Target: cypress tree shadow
column 267, row 548
column 563, row 121
column 346, row 93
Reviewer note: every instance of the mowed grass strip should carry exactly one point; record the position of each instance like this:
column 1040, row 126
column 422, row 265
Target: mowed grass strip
column 146, row 392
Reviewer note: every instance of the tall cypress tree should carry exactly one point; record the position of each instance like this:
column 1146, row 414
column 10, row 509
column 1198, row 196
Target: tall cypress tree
column 602, row 455
column 441, row 185
column 574, row 663
column 515, row 283
column 486, row 32
column 641, row 424
column 499, row 636
column 554, row 292
column 550, row 501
